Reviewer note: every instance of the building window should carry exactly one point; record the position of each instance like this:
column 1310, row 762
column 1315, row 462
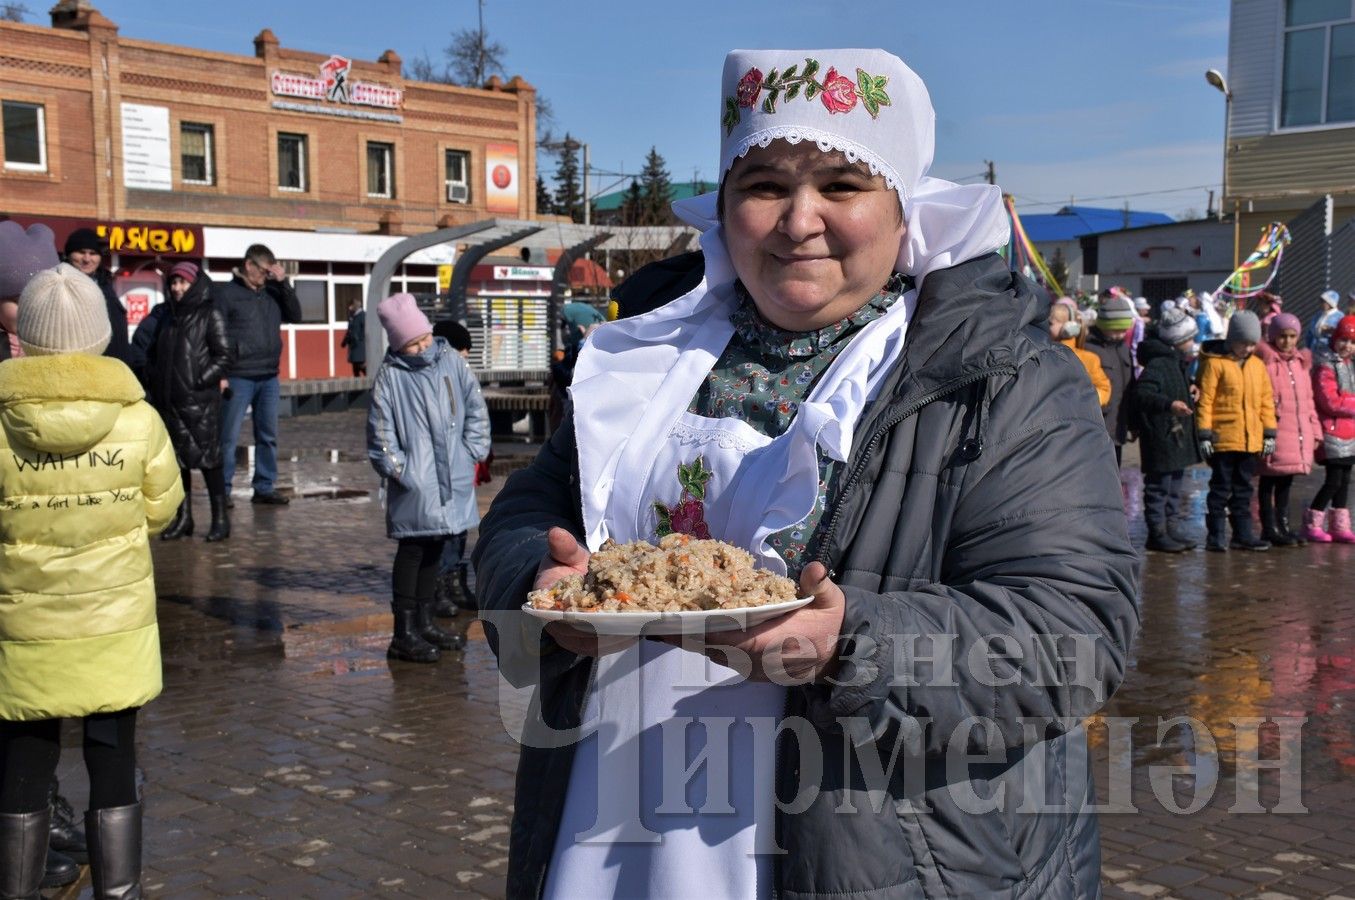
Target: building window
column 380, row 169
column 195, row 153
column 25, row 136
column 1319, row 63
column 291, row 162
column 457, row 163
column 313, row 297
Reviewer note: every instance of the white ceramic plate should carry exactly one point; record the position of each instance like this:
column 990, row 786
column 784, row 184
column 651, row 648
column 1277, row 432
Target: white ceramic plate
column 708, row 621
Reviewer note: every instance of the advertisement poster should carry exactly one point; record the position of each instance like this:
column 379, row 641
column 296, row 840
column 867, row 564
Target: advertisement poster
column 145, row 147
column 501, row 178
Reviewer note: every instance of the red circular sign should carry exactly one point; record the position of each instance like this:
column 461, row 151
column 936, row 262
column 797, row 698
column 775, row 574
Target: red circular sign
column 501, row 176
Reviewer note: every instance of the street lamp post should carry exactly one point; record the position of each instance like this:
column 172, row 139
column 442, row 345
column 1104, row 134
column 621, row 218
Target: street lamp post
column 571, row 145
column 1215, row 77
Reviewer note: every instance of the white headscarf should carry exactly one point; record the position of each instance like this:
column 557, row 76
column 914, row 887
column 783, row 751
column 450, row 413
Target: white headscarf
column 870, row 106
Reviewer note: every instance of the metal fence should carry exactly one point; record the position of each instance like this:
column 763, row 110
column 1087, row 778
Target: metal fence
column 1305, row 270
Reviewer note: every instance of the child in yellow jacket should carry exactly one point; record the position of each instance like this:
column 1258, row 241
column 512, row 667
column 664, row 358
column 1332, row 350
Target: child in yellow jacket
column 1236, row 423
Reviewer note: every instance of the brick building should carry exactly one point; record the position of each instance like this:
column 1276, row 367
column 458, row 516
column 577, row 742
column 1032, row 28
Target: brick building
column 175, row 152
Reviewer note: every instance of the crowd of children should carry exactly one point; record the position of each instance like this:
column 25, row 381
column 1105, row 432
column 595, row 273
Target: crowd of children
column 1251, row 402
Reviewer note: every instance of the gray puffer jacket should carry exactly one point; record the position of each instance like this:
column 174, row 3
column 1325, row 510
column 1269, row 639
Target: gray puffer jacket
column 426, row 429
column 981, row 502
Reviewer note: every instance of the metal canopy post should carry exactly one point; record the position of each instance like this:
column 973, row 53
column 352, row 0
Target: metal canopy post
column 560, row 283
column 466, row 262
column 378, row 283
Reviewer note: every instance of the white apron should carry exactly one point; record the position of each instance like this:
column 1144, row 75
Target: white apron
column 640, row 819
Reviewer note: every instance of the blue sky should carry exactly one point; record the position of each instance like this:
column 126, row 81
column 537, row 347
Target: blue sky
column 1091, row 99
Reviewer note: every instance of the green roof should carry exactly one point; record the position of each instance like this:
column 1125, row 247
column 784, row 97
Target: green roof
column 681, row 191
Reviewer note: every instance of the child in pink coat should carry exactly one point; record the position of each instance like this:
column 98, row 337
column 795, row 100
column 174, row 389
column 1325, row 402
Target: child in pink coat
column 1299, row 433
column 1334, row 391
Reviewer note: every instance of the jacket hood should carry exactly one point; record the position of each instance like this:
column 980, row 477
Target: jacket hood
column 65, row 403
column 195, row 296
column 1217, row 347
column 1153, row 347
column 427, row 358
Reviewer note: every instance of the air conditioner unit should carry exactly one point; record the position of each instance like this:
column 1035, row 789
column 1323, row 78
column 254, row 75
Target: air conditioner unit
column 458, row 193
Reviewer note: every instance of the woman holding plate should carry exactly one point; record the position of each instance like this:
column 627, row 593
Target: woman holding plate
column 862, row 395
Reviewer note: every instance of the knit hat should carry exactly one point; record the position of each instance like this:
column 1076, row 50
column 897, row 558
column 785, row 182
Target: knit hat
column 1116, row 314
column 62, row 310
column 1244, row 327
column 1281, row 323
column 185, row 270
column 403, row 320
column 23, row 254
column 1344, row 331
column 1177, row 326
column 454, row 333
column 1142, row 305
column 85, row 239
column 1331, row 298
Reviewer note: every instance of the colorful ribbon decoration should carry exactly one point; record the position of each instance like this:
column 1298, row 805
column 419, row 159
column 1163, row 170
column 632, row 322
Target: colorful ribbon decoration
column 1269, row 251
column 1022, row 254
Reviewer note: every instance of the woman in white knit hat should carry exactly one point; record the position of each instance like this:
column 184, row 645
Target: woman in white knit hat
column 860, row 393
column 86, row 474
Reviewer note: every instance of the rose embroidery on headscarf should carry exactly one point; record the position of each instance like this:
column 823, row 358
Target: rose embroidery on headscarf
column 689, row 515
column 837, row 92
column 750, row 85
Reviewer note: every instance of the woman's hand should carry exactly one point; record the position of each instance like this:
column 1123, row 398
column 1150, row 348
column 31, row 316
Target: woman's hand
column 797, row 648
column 1181, row 408
column 565, row 556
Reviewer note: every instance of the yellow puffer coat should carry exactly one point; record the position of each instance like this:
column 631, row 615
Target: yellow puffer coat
column 86, row 474
column 1237, row 402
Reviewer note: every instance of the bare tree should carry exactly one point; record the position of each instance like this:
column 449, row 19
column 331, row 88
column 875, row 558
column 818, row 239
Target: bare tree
column 472, row 57
column 14, row 12
column 421, row 68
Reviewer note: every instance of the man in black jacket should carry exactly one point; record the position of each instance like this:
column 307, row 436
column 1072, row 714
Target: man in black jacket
column 256, row 302
column 85, row 250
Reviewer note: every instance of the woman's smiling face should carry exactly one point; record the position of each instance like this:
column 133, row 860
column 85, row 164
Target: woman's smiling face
column 811, row 235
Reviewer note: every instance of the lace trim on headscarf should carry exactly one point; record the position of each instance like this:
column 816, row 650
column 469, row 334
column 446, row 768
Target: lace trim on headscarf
column 827, row 142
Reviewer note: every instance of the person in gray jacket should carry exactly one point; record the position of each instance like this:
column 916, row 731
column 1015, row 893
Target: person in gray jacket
column 974, row 591
column 427, row 427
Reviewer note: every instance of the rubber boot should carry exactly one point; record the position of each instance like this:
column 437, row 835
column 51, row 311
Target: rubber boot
column 1159, row 541
column 1313, row 520
column 221, row 519
column 115, row 852
column 1295, row 538
column 181, row 526
column 23, row 854
column 466, row 599
column 430, row 631
column 1216, row 541
column 407, row 644
column 1176, row 531
column 445, row 597
column 1243, row 536
column 1270, row 531
column 1339, row 526
column 66, row 837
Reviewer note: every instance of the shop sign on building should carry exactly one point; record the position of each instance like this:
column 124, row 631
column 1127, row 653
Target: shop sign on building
column 130, row 237
column 523, row 273
column 335, row 86
column 501, row 178
column 145, row 147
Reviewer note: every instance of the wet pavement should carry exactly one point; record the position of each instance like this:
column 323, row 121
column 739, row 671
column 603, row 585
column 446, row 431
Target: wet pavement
column 288, row 758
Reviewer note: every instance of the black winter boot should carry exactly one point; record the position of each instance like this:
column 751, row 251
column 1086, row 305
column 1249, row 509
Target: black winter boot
column 1159, row 541
column 1216, row 540
column 66, row 837
column 1176, row 531
column 1243, row 536
column 115, row 852
column 23, row 855
column 467, row 599
column 407, row 644
column 181, row 526
column 1292, row 538
column 1270, row 530
column 221, row 519
column 433, row 633
column 446, row 596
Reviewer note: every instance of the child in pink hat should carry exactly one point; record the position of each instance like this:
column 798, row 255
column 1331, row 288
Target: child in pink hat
column 1299, row 432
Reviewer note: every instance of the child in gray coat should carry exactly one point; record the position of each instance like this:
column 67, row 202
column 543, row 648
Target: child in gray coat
column 426, row 430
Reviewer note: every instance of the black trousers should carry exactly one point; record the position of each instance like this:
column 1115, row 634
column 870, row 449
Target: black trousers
column 30, row 751
column 415, row 573
column 1336, row 489
column 214, row 478
column 1275, row 495
column 1230, row 488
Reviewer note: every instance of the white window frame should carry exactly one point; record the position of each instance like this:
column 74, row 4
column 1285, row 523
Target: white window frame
column 1284, row 30
column 303, row 141
column 208, row 130
column 464, row 181
column 41, row 164
column 389, row 167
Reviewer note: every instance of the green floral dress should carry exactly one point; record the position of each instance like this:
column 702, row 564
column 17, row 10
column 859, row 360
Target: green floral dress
column 764, row 374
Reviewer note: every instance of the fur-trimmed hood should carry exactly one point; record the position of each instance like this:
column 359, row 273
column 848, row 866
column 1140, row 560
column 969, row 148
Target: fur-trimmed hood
column 65, row 403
